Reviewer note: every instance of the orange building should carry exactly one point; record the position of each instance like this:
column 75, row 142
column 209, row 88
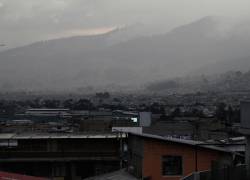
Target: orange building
column 153, row 157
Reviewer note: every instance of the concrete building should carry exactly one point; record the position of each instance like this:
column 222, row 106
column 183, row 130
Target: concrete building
column 159, row 158
column 64, row 156
column 45, row 114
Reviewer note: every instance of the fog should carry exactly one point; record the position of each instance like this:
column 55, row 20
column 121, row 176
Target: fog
column 77, row 44
column 26, row 21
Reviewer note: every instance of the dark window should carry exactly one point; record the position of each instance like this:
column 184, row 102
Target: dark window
column 171, row 165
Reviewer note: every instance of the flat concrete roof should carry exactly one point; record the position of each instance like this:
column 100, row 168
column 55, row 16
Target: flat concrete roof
column 7, row 136
column 184, row 141
column 117, row 175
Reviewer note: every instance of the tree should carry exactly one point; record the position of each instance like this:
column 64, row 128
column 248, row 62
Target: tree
column 83, row 104
column 176, row 112
column 68, row 103
column 51, row 103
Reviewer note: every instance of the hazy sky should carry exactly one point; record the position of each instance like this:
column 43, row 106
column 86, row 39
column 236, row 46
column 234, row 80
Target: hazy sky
column 25, row 21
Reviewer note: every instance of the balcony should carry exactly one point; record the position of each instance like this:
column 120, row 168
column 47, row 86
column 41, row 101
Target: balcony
column 9, row 156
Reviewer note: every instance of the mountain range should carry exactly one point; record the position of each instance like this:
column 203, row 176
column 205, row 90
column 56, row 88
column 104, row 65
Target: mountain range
column 127, row 57
column 231, row 81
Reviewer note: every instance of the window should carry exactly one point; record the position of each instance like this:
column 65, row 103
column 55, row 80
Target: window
column 171, row 165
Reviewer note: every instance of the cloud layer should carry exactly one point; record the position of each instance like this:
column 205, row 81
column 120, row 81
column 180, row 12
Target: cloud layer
column 25, row 21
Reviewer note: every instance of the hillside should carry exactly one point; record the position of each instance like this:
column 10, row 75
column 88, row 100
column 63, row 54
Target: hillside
column 231, row 81
column 110, row 60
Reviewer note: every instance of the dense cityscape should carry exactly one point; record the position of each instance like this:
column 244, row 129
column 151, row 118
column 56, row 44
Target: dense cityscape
column 76, row 136
column 124, row 90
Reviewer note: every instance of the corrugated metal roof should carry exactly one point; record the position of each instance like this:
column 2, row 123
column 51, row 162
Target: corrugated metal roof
column 6, row 135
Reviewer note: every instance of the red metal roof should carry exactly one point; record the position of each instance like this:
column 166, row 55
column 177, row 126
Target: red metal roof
column 13, row 176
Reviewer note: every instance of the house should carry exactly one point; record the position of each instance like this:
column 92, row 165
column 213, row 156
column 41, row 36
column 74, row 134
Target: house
column 154, row 157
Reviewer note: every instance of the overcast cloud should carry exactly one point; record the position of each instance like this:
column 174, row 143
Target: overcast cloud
column 26, row 21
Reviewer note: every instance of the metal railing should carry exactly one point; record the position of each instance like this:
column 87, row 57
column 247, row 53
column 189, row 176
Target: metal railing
column 43, row 154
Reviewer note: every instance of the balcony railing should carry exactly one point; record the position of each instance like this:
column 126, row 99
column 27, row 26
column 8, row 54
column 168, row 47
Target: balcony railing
column 8, row 155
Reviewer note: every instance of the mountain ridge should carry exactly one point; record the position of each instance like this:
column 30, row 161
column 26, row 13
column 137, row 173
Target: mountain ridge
column 95, row 61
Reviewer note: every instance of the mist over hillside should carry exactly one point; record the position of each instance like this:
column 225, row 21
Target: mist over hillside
column 231, row 81
column 236, row 64
column 126, row 57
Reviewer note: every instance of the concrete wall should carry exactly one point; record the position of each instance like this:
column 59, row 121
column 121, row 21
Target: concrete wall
column 145, row 119
column 154, row 150
column 135, row 150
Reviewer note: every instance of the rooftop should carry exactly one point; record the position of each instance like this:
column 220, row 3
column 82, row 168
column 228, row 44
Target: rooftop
column 47, row 109
column 117, row 175
column 15, row 136
column 211, row 146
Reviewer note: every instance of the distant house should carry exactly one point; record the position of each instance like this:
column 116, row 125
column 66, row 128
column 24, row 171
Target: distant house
column 155, row 157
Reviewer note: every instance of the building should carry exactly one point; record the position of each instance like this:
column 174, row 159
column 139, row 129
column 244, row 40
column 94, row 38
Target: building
column 160, row 158
column 64, row 156
column 195, row 128
column 45, row 114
